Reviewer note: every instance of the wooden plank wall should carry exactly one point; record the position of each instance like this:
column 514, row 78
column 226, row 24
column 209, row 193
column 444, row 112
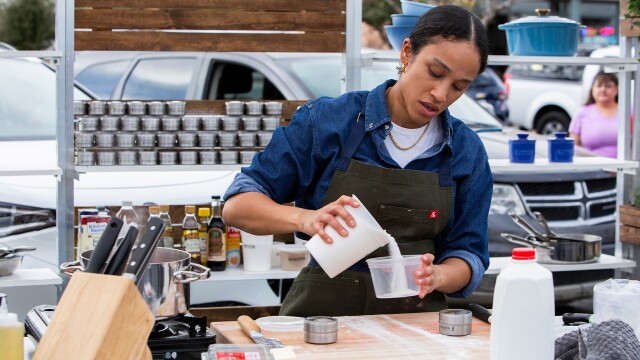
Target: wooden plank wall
column 211, row 25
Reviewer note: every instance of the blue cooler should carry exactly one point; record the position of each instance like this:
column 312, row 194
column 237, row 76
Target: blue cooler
column 522, row 150
column 561, row 148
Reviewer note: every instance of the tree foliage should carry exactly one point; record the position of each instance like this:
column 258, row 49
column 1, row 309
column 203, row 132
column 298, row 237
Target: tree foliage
column 27, row 24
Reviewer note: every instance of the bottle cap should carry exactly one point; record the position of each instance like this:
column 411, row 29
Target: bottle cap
column 8, row 319
column 215, row 197
column 204, row 212
column 127, row 203
column 523, row 254
column 154, row 209
column 191, row 209
column 164, row 208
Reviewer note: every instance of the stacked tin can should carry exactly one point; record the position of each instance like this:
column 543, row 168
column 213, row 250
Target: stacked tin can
column 160, row 133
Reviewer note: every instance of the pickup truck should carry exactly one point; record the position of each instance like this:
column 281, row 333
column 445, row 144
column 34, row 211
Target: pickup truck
column 545, row 98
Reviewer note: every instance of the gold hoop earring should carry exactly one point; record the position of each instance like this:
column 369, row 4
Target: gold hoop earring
column 403, row 68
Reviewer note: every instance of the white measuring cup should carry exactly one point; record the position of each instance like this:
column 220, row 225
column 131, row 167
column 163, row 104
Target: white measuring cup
column 362, row 240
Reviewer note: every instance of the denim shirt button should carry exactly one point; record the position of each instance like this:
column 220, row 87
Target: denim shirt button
column 386, row 127
column 370, row 125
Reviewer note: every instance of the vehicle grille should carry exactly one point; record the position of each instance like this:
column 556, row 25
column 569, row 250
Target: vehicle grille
column 572, row 203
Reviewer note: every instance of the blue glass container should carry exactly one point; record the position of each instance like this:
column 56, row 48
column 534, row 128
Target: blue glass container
column 522, row 150
column 561, row 148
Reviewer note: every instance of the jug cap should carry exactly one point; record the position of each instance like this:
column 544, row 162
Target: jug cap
column 523, row 254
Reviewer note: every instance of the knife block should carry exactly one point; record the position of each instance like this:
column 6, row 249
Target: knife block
column 98, row 317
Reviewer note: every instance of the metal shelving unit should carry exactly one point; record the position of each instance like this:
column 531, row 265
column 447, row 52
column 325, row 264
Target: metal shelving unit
column 157, row 168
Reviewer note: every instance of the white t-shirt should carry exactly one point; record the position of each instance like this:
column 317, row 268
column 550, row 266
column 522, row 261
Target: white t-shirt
column 406, row 137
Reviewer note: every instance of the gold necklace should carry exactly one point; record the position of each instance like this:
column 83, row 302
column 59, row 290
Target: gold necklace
column 414, row 144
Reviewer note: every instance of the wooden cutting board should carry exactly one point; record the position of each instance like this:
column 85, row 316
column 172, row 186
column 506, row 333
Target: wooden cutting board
column 397, row 336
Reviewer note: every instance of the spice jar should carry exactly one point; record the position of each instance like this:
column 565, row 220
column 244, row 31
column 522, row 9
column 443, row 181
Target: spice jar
column 320, row 330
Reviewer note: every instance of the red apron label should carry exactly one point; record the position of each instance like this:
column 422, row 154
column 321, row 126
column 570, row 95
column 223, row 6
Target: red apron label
column 433, row 214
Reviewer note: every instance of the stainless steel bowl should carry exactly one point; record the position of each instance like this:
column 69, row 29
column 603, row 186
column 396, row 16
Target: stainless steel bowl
column 208, row 158
column 188, row 158
column 254, row 107
column 234, row 107
column 186, row 139
column 228, row 157
column 105, row 139
column 9, row 264
column 227, row 139
column 126, row 140
column 79, row 107
column 157, row 108
column 206, row 139
column 230, row 123
column 146, row 140
column 150, row 123
column 264, row 137
column 273, row 108
column 106, row 158
column 166, row 140
column 130, row 123
column 86, row 158
column 170, row 123
column 247, row 139
column 89, row 123
column 136, row 108
column 210, row 122
column 247, row 156
column 176, row 107
column 270, row 123
column 251, row 123
column 167, row 157
column 116, row 108
column 109, row 123
column 148, row 157
column 191, row 123
column 127, row 158
column 97, row 107
column 84, row 140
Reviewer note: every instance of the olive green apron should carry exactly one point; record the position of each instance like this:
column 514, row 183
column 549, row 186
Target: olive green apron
column 413, row 206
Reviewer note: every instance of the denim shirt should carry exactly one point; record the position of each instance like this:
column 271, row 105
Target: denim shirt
column 299, row 162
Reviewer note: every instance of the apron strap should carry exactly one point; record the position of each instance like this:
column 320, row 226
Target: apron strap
column 351, row 145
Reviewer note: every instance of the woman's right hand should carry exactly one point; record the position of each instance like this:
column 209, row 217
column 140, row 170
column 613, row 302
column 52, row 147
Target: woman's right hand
column 313, row 222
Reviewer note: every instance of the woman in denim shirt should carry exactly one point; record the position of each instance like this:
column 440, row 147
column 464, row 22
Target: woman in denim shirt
column 422, row 173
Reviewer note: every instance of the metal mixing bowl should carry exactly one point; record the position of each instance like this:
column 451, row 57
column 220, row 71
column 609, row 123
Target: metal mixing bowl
column 9, row 264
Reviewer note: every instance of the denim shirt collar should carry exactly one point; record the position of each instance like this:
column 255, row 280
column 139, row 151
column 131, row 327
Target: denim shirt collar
column 376, row 112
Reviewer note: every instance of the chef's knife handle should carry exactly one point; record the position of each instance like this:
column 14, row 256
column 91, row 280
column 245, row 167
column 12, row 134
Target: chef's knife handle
column 119, row 258
column 572, row 318
column 101, row 252
column 143, row 250
column 248, row 325
column 480, row 312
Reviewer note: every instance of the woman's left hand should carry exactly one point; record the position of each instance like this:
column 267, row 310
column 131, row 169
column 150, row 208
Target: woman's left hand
column 427, row 275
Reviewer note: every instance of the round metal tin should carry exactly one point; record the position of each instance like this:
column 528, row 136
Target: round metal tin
column 455, row 322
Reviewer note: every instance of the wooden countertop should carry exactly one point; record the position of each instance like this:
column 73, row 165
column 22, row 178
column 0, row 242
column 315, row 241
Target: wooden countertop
column 396, row 336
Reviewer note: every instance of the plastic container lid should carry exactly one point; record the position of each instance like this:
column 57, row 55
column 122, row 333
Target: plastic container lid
column 523, row 254
column 281, row 323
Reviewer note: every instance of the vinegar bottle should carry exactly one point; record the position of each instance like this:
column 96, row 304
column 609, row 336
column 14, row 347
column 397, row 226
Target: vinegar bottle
column 522, row 321
column 217, row 248
column 203, row 219
column 190, row 238
column 167, row 237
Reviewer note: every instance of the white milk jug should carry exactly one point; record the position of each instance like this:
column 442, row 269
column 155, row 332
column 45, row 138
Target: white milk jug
column 362, row 240
column 522, row 321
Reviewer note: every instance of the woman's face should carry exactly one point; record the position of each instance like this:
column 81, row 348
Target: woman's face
column 604, row 91
column 436, row 77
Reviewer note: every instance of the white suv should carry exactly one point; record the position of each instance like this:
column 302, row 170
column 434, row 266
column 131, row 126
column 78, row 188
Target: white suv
column 545, row 98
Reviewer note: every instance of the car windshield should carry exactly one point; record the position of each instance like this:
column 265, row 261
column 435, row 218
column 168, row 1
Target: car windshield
column 28, row 100
column 315, row 73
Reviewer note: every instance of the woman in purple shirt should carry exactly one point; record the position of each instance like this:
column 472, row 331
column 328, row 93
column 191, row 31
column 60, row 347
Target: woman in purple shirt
column 595, row 126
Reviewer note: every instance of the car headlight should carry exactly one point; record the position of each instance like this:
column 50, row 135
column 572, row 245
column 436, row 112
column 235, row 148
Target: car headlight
column 17, row 219
column 505, row 199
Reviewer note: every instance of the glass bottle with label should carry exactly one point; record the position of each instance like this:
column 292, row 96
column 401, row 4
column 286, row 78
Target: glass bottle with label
column 167, row 238
column 190, row 239
column 203, row 220
column 129, row 216
column 217, row 238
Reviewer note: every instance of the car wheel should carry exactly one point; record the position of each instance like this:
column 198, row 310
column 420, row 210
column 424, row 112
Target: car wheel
column 552, row 122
